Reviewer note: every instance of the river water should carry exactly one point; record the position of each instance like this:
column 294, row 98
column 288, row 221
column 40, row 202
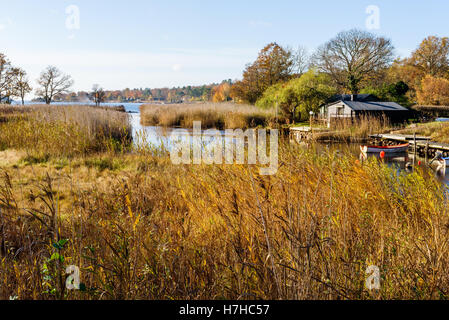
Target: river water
column 157, row 136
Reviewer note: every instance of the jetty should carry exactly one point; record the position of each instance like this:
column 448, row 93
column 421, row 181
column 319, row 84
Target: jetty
column 423, row 146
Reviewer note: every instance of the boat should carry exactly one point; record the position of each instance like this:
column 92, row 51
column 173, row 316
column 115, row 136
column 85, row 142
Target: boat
column 387, row 149
column 444, row 162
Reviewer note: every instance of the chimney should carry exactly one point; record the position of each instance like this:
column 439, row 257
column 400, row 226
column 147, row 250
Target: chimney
column 353, row 97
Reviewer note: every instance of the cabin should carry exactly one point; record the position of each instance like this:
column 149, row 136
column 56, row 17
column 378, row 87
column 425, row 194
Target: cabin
column 349, row 107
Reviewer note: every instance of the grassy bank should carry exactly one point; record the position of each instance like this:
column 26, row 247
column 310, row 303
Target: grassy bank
column 63, row 130
column 139, row 227
column 438, row 131
column 211, row 115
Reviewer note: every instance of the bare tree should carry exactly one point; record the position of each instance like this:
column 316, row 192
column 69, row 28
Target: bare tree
column 354, row 56
column 53, row 82
column 98, row 94
column 301, row 60
column 22, row 85
column 7, row 78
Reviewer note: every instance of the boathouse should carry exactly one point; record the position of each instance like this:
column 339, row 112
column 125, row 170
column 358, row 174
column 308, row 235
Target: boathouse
column 352, row 106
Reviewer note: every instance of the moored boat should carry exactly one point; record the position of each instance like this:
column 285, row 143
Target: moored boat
column 444, row 162
column 387, row 149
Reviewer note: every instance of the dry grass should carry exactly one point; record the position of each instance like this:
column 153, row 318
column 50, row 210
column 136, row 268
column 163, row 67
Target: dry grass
column 358, row 129
column 211, row 115
column 152, row 230
column 63, row 130
column 139, row 227
column 437, row 131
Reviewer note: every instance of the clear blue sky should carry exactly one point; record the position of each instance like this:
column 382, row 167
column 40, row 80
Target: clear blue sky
column 138, row 43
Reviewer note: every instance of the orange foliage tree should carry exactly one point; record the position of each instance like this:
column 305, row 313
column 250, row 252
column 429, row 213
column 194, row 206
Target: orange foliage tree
column 222, row 92
column 434, row 91
column 274, row 64
column 430, row 58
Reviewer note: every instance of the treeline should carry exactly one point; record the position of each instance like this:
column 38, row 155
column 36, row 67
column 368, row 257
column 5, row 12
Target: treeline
column 354, row 62
column 292, row 81
column 54, row 85
column 211, row 92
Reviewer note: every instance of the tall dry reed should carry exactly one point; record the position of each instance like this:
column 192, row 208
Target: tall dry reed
column 159, row 231
column 63, row 130
column 360, row 127
column 211, row 115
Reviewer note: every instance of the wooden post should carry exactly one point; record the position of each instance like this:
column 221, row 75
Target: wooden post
column 427, row 151
column 415, row 150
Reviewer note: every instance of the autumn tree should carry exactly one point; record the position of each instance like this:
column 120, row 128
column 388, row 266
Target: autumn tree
column 221, row 93
column 432, row 57
column 353, row 57
column 22, row 85
column 274, row 64
column 98, row 94
column 8, row 75
column 53, row 82
column 434, row 91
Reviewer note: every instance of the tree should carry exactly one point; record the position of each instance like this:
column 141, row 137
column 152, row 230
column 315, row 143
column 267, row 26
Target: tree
column 396, row 92
column 98, row 94
column 301, row 60
column 53, row 82
column 432, row 57
column 22, row 85
column 303, row 94
column 7, row 78
column 353, row 57
column 434, row 91
column 274, row 64
column 221, row 93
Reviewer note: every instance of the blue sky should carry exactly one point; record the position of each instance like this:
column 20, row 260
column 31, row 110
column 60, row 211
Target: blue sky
column 138, row 43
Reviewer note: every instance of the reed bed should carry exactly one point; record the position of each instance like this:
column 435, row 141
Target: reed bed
column 63, row 130
column 357, row 129
column 212, row 115
column 153, row 230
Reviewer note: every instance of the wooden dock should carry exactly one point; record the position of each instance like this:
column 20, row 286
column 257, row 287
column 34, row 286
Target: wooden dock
column 424, row 145
column 399, row 137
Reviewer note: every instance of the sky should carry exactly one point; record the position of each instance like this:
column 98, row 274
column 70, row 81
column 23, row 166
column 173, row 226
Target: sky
column 139, row 44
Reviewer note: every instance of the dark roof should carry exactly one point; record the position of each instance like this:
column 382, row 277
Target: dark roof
column 374, row 106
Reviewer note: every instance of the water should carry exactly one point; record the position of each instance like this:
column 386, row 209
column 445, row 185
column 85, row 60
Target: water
column 157, row 137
